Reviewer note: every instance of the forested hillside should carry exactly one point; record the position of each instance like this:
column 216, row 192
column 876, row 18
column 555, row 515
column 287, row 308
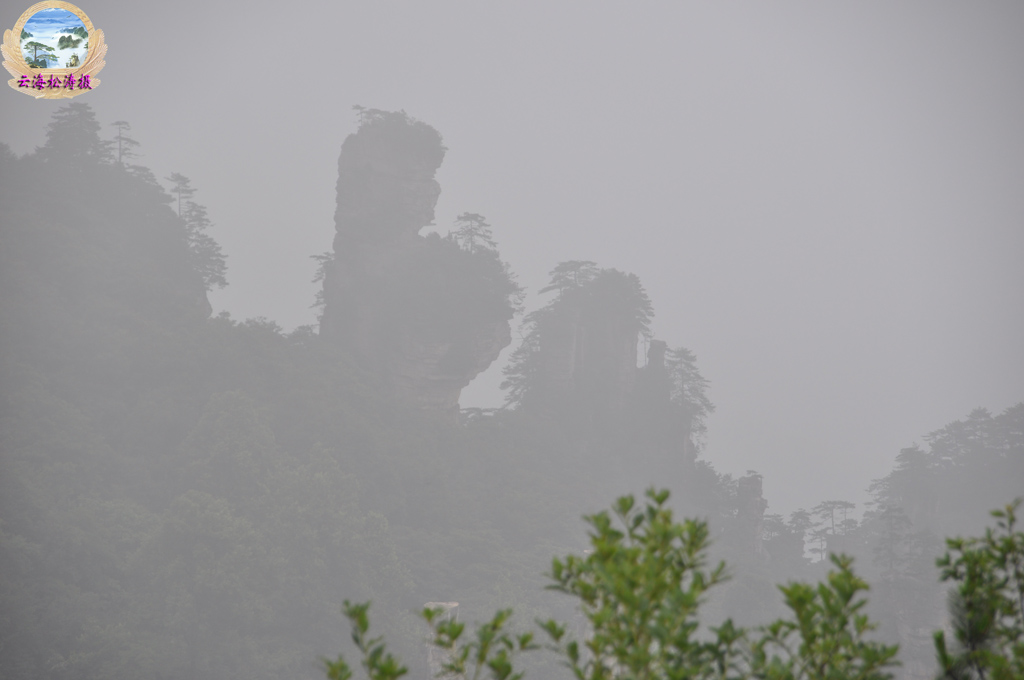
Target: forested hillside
column 193, row 496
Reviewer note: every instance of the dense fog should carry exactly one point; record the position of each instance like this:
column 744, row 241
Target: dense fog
column 375, row 302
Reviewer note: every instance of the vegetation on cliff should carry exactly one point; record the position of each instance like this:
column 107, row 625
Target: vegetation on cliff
column 187, row 496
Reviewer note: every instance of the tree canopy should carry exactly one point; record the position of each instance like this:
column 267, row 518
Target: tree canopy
column 73, row 138
column 187, row 495
column 207, row 258
column 42, row 54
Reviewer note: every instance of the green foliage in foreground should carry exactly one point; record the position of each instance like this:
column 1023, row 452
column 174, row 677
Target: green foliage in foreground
column 379, row 664
column 987, row 603
column 826, row 638
column 639, row 589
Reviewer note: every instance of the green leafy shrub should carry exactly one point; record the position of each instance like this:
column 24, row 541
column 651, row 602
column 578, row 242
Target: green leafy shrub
column 986, row 605
column 639, row 589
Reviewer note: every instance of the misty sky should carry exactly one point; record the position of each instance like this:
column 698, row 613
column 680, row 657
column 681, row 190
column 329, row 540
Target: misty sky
column 825, row 202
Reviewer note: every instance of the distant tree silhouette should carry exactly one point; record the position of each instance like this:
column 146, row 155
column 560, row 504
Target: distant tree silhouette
column 689, row 393
column 182, row 189
column 207, row 258
column 125, row 145
column 73, row 139
column 830, row 525
column 800, row 523
column 571, row 274
column 473, row 233
column 893, row 529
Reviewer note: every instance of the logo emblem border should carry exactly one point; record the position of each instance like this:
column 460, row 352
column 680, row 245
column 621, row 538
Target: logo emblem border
column 14, row 60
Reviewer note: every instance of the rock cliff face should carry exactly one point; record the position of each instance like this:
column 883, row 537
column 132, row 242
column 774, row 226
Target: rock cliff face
column 590, row 355
column 584, row 343
column 421, row 312
column 750, row 512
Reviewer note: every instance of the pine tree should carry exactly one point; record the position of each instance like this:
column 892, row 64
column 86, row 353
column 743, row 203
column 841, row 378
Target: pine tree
column 571, row 274
column 987, row 604
column 41, row 54
column 207, row 258
column 182, row 189
column 473, row 233
column 73, row 139
column 689, row 393
column 125, row 145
